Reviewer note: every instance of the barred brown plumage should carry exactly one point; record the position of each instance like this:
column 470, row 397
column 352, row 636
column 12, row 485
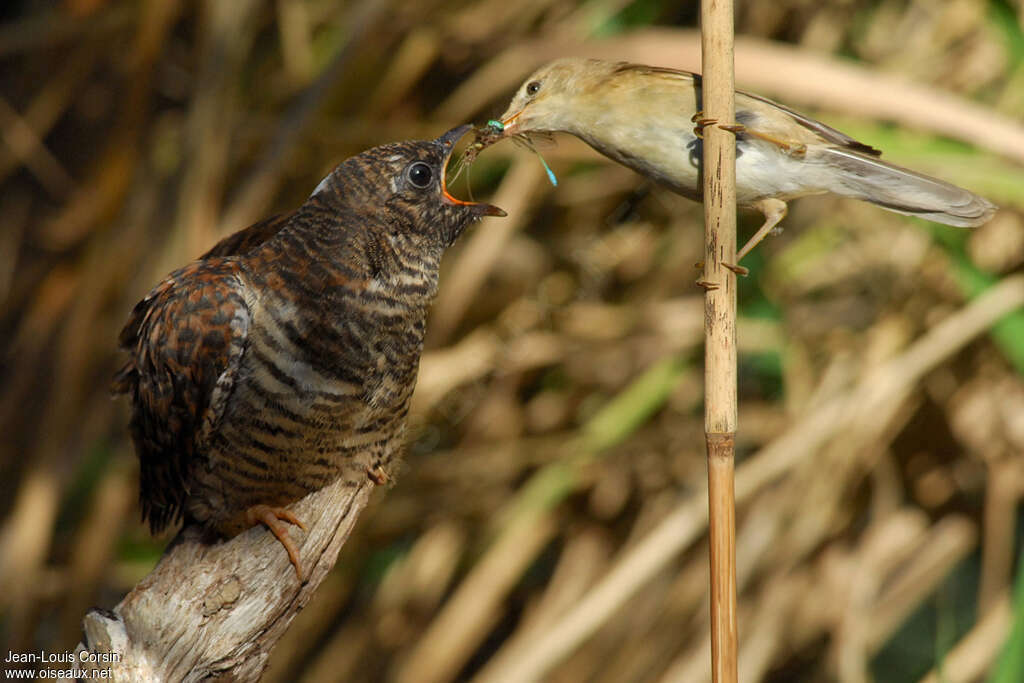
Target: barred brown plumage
column 284, row 358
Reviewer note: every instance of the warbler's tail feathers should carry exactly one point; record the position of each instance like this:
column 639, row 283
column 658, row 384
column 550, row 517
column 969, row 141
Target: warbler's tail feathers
column 904, row 191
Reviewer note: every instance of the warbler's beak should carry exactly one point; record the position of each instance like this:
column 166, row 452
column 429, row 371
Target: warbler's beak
column 448, row 141
column 511, row 123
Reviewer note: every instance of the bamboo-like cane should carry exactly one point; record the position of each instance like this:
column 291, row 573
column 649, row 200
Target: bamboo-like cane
column 720, row 327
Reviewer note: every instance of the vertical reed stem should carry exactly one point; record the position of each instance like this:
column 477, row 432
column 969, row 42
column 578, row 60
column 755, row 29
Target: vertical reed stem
column 720, row 327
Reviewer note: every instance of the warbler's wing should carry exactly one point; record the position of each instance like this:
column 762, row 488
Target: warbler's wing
column 772, row 118
column 764, row 118
column 675, row 74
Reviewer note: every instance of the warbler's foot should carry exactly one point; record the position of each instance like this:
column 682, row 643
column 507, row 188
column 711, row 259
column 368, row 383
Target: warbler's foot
column 739, row 270
column 702, row 123
column 733, row 127
column 707, row 285
column 271, row 517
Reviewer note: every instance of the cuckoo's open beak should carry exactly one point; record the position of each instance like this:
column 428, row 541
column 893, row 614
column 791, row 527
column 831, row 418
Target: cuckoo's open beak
column 448, row 141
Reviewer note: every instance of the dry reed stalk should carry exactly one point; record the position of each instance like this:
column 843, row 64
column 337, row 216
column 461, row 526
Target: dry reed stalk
column 720, row 328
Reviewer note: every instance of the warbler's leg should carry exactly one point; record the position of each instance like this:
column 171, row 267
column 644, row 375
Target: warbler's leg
column 793, row 149
column 271, row 517
column 774, row 211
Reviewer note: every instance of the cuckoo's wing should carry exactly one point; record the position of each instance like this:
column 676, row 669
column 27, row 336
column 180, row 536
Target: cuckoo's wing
column 185, row 342
column 243, row 241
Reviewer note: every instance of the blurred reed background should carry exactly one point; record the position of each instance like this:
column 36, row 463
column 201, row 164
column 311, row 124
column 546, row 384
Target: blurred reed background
column 549, row 519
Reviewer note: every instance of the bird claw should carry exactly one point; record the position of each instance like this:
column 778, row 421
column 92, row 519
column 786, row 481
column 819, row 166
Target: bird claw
column 738, row 269
column 271, row 517
column 707, row 285
column 377, row 475
column 703, row 123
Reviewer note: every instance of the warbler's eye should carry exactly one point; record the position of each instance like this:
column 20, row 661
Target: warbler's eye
column 420, row 175
column 533, row 87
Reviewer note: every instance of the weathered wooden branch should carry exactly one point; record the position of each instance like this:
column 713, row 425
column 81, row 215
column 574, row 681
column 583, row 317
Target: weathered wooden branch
column 217, row 608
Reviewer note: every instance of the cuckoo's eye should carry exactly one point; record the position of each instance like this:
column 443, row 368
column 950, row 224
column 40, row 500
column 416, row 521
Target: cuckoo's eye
column 420, row 175
column 533, row 87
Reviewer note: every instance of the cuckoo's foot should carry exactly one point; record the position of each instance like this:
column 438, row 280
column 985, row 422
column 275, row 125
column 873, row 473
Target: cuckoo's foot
column 378, row 475
column 271, row 517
